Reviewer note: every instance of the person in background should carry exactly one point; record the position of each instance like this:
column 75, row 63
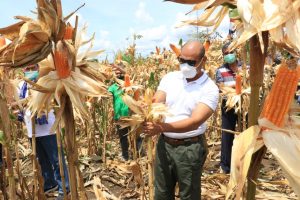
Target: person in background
column 121, row 110
column 181, row 151
column 46, row 143
column 225, row 76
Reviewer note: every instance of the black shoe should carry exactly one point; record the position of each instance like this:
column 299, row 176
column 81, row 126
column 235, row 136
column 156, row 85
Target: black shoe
column 51, row 189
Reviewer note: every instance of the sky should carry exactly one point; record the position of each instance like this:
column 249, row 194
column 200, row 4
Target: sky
column 114, row 22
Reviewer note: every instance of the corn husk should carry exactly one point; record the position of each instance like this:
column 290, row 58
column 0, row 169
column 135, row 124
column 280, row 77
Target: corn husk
column 283, row 143
column 281, row 17
column 286, row 148
column 187, row 1
column 244, row 145
column 234, row 99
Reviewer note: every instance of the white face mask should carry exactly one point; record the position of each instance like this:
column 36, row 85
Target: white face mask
column 188, row 71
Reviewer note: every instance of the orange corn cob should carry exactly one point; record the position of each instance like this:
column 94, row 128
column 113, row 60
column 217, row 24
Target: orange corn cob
column 238, row 84
column 68, row 33
column 278, row 101
column 61, row 64
column 127, row 81
column 157, row 50
column 175, row 50
column 136, row 95
column 2, row 41
column 206, row 45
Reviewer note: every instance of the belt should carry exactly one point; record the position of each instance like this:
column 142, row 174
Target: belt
column 184, row 141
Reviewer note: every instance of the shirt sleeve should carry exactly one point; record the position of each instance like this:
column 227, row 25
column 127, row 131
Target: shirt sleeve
column 211, row 97
column 163, row 86
column 112, row 88
column 219, row 77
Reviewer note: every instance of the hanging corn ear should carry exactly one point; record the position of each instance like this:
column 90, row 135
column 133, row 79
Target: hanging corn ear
column 68, row 33
column 136, row 95
column 61, row 63
column 283, row 90
column 157, row 50
column 127, row 81
column 206, row 45
column 238, row 84
column 2, row 41
column 175, row 49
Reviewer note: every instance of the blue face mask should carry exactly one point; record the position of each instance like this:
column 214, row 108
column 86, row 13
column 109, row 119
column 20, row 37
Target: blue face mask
column 230, row 58
column 31, row 75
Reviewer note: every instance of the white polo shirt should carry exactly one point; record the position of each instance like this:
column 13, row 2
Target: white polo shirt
column 182, row 97
column 40, row 130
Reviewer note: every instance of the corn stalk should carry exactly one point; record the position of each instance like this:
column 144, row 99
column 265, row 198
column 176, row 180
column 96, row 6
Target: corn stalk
column 22, row 180
column 5, row 126
column 70, row 138
column 150, row 167
column 257, row 61
column 61, row 168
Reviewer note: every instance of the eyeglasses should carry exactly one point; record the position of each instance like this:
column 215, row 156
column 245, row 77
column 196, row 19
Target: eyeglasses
column 189, row 62
column 226, row 53
column 33, row 67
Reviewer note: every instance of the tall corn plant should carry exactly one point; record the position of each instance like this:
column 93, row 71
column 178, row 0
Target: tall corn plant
column 257, row 61
column 104, row 123
column 5, row 126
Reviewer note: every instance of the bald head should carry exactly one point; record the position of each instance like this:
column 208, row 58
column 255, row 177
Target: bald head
column 193, row 50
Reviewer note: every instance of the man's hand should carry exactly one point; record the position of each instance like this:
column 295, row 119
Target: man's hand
column 152, row 129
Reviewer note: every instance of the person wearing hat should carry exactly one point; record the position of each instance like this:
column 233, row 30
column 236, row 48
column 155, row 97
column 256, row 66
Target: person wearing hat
column 181, row 150
column 225, row 76
column 46, row 143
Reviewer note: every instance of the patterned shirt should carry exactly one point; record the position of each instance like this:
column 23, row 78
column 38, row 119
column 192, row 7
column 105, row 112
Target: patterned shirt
column 225, row 75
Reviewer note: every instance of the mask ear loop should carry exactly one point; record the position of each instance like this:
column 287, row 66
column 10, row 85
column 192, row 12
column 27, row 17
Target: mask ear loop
column 202, row 59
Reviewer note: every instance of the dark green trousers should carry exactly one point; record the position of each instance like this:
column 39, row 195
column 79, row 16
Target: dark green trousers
column 182, row 164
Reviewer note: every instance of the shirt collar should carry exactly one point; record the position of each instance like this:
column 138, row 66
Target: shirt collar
column 199, row 81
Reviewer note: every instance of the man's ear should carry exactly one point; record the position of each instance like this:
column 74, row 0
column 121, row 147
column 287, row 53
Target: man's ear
column 204, row 59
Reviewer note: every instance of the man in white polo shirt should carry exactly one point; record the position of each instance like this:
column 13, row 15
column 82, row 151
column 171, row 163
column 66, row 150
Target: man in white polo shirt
column 192, row 98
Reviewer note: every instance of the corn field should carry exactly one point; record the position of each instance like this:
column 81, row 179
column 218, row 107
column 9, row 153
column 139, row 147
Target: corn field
column 74, row 83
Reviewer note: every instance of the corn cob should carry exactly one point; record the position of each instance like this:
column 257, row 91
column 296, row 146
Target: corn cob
column 206, row 45
column 61, row 63
column 175, row 49
column 127, row 81
column 278, row 101
column 136, row 95
column 238, row 84
column 157, row 50
column 2, row 41
column 68, row 33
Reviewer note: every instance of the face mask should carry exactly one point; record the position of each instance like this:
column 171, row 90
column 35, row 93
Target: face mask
column 230, row 58
column 188, row 71
column 31, row 75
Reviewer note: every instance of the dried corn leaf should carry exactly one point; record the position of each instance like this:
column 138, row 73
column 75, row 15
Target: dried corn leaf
column 133, row 121
column 286, row 149
column 244, row 145
column 261, row 16
column 213, row 3
column 12, row 32
column 206, row 18
column 187, row 1
column 134, row 105
column 137, row 173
